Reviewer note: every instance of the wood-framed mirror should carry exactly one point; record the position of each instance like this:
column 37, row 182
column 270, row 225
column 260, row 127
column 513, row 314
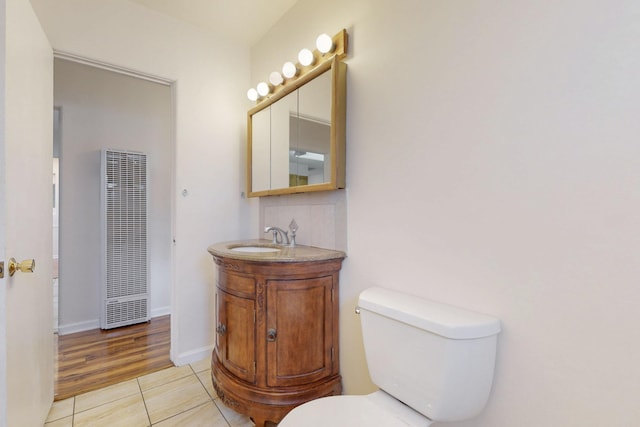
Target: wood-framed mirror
column 296, row 137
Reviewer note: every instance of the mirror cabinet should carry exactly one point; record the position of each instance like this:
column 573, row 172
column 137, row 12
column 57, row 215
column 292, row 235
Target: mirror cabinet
column 296, row 138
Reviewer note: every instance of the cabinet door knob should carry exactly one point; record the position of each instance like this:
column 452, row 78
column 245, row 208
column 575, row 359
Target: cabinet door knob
column 221, row 329
column 272, row 334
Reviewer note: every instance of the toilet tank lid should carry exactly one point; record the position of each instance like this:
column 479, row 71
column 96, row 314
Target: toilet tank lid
column 442, row 319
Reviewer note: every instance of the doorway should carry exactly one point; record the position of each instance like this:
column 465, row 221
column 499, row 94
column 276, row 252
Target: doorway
column 98, row 108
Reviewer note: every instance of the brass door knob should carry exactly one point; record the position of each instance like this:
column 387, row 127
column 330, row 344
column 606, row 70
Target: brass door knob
column 26, row 266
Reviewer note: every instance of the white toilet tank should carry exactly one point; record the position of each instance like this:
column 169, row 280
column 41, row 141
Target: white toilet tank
column 436, row 358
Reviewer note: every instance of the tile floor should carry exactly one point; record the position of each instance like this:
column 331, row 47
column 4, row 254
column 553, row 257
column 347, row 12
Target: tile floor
column 179, row 396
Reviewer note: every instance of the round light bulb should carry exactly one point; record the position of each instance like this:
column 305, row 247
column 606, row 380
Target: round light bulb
column 252, row 94
column 275, row 78
column 263, row 89
column 305, row 57
column 289, row 70
column 324, row 43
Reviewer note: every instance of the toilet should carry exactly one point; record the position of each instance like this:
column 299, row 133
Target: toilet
column 431, row 361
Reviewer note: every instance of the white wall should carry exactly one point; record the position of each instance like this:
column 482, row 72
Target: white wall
column 103, row 109
column 493, row 163
column 210, row 75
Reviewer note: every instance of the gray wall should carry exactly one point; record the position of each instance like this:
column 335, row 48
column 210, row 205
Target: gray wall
column 100, row 109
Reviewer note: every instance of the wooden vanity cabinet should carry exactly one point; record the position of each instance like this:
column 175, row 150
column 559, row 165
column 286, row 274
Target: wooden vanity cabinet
column 276, row 335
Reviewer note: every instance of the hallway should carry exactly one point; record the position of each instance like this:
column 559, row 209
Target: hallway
column 98, row 358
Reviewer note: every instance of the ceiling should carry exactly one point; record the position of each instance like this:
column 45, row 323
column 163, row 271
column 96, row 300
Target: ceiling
column 243, row 20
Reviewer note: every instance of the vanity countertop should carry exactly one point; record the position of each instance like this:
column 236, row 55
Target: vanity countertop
column 298, row 253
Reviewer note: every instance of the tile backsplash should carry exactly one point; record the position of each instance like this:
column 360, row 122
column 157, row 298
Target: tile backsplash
column 321, row 217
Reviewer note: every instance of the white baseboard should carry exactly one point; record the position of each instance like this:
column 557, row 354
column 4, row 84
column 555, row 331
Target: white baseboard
column 78, row 327
column 192, row 356
column 95, row 323
column 160, row 311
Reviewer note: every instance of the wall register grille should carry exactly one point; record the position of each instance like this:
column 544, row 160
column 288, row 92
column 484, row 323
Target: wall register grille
column 125, row 290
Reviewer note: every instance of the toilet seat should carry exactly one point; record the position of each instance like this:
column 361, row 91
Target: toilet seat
column 375, row 409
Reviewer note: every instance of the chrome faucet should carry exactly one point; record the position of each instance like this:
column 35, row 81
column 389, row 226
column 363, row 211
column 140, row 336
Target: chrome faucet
column 293, row 227
column 280, row 237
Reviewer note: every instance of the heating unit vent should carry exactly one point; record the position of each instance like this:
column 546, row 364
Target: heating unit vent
column 125, row 291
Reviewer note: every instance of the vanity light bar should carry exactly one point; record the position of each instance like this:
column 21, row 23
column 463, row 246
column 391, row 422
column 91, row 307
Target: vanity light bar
column 326, row 49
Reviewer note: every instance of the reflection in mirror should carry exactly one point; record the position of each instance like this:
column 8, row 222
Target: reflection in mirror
column 310, row 138
column 309, row 159
column 261, row 147
column 280, row 139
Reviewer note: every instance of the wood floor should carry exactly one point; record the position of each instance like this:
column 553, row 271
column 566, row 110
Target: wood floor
column 94, row 359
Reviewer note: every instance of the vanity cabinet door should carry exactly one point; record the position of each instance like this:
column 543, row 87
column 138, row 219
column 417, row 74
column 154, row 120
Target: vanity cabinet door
column 299, row 322
column 235, row 341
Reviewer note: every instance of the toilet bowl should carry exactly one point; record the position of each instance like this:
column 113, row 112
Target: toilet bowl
column 431, row 361
column 375, row 409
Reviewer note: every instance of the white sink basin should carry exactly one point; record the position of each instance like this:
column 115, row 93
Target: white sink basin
column 255, row 249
